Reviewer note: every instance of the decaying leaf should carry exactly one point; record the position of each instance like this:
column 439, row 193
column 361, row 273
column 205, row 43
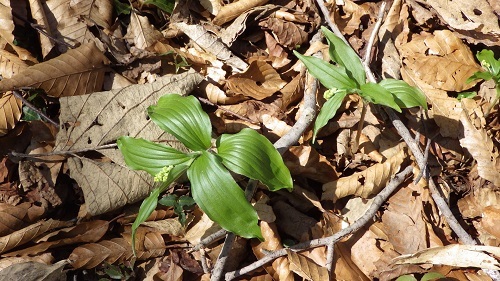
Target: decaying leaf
column 13, row 218
column 35, row 271
column 233, row 10
column 10, row 112
column 439, row 59
column 482, row 149
column 455, row 255
column 365, row 183
column 287, row 33
column 259, row 81
column 141, row 33
column 10, row 64
column 76, row 72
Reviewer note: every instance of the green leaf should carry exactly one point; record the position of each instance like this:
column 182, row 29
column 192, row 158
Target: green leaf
column 484, row 75
column 488, row 61
column 149, row 204
column 344, row 55
column 121, row 8
column 186, row 201
column 165, row 5
column 141, row 154
column 251, row 154
column 404, row 95
column 331, row 76
column 327, row 112
column 379, row 95
column 466, row 95
column 29, row 114
column 432, row 276
column 218, row 195
column 184, row 118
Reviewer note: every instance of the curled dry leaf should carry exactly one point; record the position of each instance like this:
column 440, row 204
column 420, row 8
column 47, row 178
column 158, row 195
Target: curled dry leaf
column 482, row 149
column 306, row 268
column 231, row 11
column 455, row 255
column 10, row 112
column 307, row 162
column 111, row 251
column 217, row 96
column 440, row 59
column 259, row 81
column 365, row 183
column 77, row 72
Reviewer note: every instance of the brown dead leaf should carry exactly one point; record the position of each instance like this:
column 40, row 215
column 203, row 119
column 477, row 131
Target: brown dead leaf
column 306, row 161
column 141, row 33
column 482, row 149
column 217, row 96
column 350, row 21
column 29, row 233
column 13, row 218
column 167, row 226
column 45, row 258
column 259, row 81
column 439, row 59
column 291, row 221
column 79, row 71
column 306, row 268
column 111, row 251
column 231, row 11
column 10, row 112
column 280, row 268
column 10, row 64
column 287, row 34
column 365, row 183
column 253, row 110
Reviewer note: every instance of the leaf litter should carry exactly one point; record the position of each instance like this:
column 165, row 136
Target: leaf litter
column 62, row 189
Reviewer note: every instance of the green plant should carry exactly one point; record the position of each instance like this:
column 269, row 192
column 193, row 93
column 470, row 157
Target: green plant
column 492, row 71
column 347, row 76
column 213, row 188
column 179, row 204
column 429, row 276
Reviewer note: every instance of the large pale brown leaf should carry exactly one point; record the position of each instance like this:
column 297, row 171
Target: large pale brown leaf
column 482, row 149
column 10, row 112
column 28, row 233
column 259, row 81
column 440, row 59
column 365, row 183
column 35, row 271
column 79, row 71
column 111, row 251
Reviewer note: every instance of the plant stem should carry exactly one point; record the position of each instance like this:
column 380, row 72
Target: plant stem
column 361, row 123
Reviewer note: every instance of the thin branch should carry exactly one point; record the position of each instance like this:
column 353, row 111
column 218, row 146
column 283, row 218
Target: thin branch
column 223, row 257
column 34, row 108
column 369, row 214
column 371, row 41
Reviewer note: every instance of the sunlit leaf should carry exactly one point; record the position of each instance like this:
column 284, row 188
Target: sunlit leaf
column 220, row 197
column 331, row 76
column 488, row 61
column 466, row 95
column 345, row 56
column 327, row 112
column 404, row 95
column 251, row 154
column 165, row 5
column 379, row 95
column 184, row 118
column 485, row 75
column 141, row 154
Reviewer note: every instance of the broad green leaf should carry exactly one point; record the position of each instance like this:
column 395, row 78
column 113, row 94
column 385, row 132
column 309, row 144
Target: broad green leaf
column 165, row 5
column 121, row 8
column 220, row 197
column 344, row 55
column 149, row 204
column 327, row 112
column 331, row 76
column 141, row 154
column 485, row 75
column 404, row 95
column 169, row 200
column 379, row 95
column 251, row 154
column 488, row 61
column 184, row 118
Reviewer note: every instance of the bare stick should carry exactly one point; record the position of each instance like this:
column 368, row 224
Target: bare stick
column 369, row 214
column 223, row 257
column 38, row 111
column 371, row 41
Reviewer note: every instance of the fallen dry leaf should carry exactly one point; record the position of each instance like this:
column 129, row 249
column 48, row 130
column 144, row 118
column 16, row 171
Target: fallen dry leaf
column 35, row 271
column 76, row 72
column 10, row 112
column 233, row 10
column 306, row 268
column 141, row 33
